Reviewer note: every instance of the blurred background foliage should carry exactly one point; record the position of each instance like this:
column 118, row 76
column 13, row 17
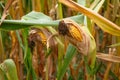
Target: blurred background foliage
column 25, row 39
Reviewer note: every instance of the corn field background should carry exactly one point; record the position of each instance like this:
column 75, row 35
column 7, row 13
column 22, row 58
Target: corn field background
column 60, row 40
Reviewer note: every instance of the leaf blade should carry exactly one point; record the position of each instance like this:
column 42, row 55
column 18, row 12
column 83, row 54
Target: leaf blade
column 68, row 57
column 34, row 18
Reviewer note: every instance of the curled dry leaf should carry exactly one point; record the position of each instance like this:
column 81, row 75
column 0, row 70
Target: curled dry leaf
column 38, row 40
column 75, row 34
column 107, row 57
column 38, row 36
column 37, row 48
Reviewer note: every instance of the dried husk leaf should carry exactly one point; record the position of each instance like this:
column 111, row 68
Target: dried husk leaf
column 40, row 38
column 107, row 57
column 75, row 34
column 86, row 43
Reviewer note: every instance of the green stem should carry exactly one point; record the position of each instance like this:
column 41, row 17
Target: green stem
column 60, row 10
column 1, row 48
column 60, row 47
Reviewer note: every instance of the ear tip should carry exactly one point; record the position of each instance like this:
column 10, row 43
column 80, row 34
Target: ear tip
column 62, row 27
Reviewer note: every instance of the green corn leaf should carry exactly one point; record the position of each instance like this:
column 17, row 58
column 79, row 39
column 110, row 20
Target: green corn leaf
column 8, row 70
column 28, row 56
column 94, row 4
column 43, row 19
column 114, row 45
column 102, row 22
column 115, row 77
column 2, row 75
column 34, row 18
column 99, row 5
column 68, row 57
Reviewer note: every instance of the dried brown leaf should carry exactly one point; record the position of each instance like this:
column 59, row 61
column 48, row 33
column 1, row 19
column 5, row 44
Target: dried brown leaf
column 107, row 57
column 40, row 38
column 5, row 12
